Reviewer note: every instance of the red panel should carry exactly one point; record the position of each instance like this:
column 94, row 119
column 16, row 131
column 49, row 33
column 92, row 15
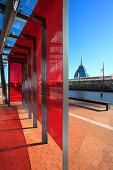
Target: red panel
column 15, row 82
column 55, row 72
column 54, row 66
column 52, row 11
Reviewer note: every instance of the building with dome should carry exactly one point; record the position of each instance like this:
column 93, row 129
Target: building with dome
column 81, row 72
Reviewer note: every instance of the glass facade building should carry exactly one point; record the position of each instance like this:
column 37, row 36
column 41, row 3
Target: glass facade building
column 81, row 72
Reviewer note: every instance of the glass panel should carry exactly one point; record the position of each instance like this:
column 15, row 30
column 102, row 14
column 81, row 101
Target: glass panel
column 26, row 7
column 1, row 20
column 54, row 70
column 17, row 27
column 54, row 73
column 15, row 82
column 54, row 65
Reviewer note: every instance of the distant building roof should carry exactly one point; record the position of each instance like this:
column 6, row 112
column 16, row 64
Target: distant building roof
column 81, row 71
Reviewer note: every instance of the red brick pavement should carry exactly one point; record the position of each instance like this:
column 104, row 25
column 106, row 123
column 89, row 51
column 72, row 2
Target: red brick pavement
column 92, row 111
column 47, row 156
column 90, row 146
column 12, row 156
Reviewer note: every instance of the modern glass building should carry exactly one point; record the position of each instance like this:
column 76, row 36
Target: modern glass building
column 81, row 72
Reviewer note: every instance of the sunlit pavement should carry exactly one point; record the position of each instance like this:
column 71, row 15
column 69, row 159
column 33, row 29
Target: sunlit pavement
column 42, row 156
column 90, row 145
column 12, row 154
column 21, row 145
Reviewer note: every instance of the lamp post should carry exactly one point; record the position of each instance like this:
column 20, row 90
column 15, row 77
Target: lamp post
column 103, row 72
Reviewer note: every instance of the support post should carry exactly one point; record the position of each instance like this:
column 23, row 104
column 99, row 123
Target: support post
column 29, row 77
column 44, row 85
column 24, row 36
column 103, row 73
column 29, row 84
column 3, row 81
column 26, row 110
column 23, row 84
column 9, row 83
column 65, row 84
column 42, row 21
column 34, row 85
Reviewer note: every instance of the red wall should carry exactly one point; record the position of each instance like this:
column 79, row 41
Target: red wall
column 15, row 82
column 52, row 11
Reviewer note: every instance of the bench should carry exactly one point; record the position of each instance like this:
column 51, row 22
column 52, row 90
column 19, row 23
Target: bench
column 107, row 104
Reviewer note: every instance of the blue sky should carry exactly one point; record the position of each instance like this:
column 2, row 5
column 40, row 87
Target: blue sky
column 91, row 36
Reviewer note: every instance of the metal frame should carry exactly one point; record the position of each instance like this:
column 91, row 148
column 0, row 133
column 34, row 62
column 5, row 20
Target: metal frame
column 19, row 54
column 33, row 38
column 25, row 76
column 65, row 84
column 23, row 84
column 9, row 79
column 20, row 16
column 26, row 109
column 37, row 18
column 16, row 60
column 44, row 85
column 3, row 81
column 21, row 61
column 29, row 84
column 29, row 77
column 65, row 80
column 7, row 47
column 11, row 36
column 9, row 83
column 9, row 17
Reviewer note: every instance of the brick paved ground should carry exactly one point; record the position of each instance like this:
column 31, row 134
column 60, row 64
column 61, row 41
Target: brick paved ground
column 92, row 111
column 12, row 155
column 90, row 146
column 48, row 156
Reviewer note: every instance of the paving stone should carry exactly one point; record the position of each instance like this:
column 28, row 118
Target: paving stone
column 90, row 146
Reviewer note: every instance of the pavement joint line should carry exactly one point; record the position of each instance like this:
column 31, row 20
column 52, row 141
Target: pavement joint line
column 92, row 121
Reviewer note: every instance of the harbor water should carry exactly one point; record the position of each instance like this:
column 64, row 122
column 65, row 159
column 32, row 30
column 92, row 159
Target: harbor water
column 92, row 95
